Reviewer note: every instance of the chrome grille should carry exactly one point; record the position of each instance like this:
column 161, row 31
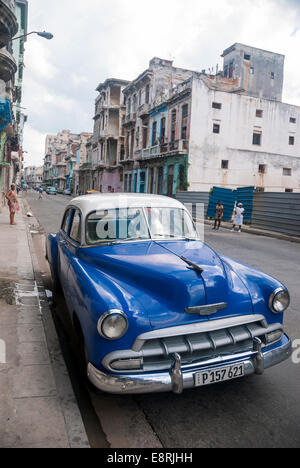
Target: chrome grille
column 196, row 342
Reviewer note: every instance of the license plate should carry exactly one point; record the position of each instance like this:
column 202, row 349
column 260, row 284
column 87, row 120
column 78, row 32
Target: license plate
column 219, row 375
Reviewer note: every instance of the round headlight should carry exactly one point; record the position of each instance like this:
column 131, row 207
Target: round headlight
column 113, row 325
column 279, row 301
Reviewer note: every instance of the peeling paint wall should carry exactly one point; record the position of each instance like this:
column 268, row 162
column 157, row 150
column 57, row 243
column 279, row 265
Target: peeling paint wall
column 237, row 122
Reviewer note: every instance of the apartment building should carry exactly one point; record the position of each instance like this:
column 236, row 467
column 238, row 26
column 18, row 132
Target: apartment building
column 188, row 130
column 105, row 149
column 64, row 153
column 229, row 130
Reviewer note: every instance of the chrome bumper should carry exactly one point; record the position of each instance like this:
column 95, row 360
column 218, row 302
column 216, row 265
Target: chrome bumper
column 178, row 379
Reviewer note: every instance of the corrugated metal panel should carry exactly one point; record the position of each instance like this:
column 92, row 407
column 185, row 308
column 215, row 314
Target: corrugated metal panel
column 279, row 212
column 245, row 195
column 193, row 198
column 227, row 198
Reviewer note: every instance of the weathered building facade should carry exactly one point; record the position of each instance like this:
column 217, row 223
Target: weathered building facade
column 102, row 170
column 155, row 158
column 186, row 130
column 13, row 19
column 64, row 153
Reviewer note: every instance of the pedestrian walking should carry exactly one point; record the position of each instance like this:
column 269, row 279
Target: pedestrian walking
column 218, row 215
column 41, row 194
column 239, row 217
column 13, row 203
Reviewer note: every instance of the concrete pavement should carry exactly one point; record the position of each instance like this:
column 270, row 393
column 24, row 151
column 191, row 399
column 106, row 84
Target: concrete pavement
column 37, row 404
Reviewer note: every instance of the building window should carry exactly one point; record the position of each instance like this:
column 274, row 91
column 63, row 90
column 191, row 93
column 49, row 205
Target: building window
column 216, row 128
column 293, row 120
column 225, row 164
column 154, row 128
column 185, row 110
column 291, row 140
column 163, row 130
column 147, row 98
column 122, row 153
column 216, row 105
column 145, row 135
column 184, row 133
column 289, row 190
column 173, row 125
column 272, row 76
column 259, row 113
column 247, row 57
column 256, row 139
column 262, row 168
column 287, row 171
column 251, row 70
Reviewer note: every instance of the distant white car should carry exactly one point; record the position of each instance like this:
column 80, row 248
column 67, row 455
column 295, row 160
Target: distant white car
column 67, row 192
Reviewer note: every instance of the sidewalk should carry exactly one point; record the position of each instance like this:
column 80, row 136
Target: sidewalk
column 37, row 404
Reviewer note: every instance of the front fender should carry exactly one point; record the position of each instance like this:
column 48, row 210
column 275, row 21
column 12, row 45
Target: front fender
column 93, row 294
column 260, row 287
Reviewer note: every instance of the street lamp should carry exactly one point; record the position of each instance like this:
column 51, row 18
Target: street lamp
column 44, row 34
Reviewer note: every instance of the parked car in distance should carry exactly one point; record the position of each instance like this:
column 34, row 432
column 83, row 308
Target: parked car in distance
column 156, row 309
column 51, row 190
column 60, row 191
column 67, row 192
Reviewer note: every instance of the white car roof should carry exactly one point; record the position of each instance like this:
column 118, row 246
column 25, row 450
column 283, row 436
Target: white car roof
column 106, row 201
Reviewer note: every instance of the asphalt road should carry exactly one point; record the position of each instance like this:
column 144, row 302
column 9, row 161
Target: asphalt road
column 258, row 411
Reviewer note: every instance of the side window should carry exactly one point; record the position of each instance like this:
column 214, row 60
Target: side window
column 75, row 232
column 66, row 220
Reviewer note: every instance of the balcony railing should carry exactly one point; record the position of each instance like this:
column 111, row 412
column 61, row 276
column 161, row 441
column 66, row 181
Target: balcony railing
column 130, row 117
column 177, row 146
column 144, row 109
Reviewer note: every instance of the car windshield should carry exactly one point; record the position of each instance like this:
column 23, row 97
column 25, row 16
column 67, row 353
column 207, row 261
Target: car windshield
column 128, row 224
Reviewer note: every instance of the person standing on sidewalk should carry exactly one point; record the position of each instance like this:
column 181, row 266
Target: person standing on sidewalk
column 218, row 216
column 13, row 203
column 239, row 217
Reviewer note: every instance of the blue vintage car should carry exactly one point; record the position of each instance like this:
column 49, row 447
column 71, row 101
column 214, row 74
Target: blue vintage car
column 155, row 308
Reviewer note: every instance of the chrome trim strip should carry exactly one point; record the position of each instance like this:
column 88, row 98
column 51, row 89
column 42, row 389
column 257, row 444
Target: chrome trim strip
column 191, row 329
column 176, row 375
column 207, row 309
column 162, row 381
column 258, row 360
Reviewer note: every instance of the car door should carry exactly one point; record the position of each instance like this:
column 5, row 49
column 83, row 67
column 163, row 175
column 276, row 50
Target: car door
column 63, row 245
column 69, row 247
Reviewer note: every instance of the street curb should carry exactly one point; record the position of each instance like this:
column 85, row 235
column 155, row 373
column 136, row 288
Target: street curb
column 259, row 232
column 73, row 420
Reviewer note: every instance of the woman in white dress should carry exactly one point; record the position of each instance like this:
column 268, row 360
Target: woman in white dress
column 239, row 217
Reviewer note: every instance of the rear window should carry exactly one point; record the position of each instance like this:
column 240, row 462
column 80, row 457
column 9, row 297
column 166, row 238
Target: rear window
column 66, row 220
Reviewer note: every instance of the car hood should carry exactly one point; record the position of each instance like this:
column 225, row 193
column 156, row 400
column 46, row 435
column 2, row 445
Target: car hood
column 164, row 285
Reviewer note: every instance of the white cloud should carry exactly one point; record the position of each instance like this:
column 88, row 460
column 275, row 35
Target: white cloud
column 33, row 145
column 97, row 39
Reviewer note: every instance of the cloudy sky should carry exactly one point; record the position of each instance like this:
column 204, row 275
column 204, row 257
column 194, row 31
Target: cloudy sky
column 98, row 39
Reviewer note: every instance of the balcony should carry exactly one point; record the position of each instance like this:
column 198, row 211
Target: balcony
column 8, row 66
column 129, row 118
column 86, row 166
column 8, row 21
column 143, row 110
column 166, row 149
